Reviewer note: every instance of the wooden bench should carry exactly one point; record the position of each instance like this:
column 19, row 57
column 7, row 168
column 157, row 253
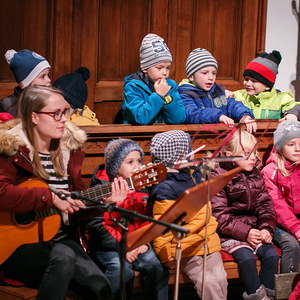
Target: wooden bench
column 202, row 134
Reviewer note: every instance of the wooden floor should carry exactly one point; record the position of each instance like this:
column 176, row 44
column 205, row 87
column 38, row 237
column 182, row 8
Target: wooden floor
column 187, row 292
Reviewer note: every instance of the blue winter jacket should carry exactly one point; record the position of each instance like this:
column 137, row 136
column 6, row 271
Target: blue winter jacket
column 207, row 106
column 142, row 106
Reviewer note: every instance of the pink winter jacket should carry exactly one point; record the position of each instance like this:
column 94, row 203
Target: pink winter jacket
column 285, row 193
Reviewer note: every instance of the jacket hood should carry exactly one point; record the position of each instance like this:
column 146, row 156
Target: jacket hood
column 192, row 87
column 273, row 159
column 12, row 136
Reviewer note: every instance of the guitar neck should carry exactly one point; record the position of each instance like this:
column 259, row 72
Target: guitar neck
column 101, row 191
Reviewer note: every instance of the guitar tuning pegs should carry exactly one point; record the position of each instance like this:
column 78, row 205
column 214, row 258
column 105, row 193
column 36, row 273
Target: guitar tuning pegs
column 149, row 164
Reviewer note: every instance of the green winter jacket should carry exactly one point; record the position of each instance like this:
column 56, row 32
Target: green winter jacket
column 270, row 105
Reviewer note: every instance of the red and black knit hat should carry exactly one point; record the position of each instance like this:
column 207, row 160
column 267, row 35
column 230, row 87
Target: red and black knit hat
column 264, row 68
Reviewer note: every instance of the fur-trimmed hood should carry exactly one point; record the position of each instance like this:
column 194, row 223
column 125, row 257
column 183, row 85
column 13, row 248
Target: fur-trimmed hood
column 12, row 136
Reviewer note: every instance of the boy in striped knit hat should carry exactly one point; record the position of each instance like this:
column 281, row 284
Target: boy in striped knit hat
column 259, row 94
column 149, row 95
column 204, row 100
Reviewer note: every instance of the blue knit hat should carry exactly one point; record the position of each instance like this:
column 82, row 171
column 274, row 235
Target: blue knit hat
column 26, row 65
column 116, row 151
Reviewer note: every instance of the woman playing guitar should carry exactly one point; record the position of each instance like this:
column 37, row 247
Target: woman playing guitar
column 45, row 146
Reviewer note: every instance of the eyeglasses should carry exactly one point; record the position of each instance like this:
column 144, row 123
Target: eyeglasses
column 57, row 115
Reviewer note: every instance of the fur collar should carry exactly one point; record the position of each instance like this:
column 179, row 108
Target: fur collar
column 12, row 137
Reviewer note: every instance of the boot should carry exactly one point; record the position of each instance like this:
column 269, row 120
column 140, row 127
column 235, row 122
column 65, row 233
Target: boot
column 270, row 293
column 260, row 294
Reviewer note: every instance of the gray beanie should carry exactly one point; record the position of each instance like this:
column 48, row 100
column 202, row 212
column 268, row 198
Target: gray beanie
column 286, row 131
column 199, row 58
column 170, row 147
column 115, row 152
column 153, row 50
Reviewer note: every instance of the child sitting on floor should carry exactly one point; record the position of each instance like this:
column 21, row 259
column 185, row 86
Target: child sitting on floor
column 246, row 218
column 122, row 158
column 149, row 95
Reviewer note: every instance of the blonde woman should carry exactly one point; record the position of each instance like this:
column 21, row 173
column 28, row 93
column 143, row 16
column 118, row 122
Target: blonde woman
column 45, row 147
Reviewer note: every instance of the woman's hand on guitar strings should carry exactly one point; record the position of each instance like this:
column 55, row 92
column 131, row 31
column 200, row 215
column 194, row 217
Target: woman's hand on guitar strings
column 67, row 205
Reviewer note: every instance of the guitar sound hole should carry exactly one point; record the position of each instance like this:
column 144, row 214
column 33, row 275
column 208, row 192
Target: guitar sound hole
column 25, row 218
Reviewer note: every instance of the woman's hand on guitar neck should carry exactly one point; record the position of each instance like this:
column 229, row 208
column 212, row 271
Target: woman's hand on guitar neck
column 68, row 205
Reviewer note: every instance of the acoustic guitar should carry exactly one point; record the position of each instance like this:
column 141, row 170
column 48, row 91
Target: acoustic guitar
column 17, row 229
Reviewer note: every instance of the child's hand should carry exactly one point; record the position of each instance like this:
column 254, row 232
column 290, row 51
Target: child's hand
column 254, row 237
column 119, row 191
column 251, row 125
column 226, row 120
column 161, row 87
column 266, row 236
column 228, row 94
column 132, row 255
column 142, row 249
column 289, row 117
column 297, row 235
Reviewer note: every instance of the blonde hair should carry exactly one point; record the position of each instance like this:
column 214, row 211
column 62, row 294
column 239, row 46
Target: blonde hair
column 33, row 99
column 281, row 164
column 240, row 139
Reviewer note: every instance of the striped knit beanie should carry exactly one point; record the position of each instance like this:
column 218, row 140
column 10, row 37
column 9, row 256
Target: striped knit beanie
column 199, row 58
column 115, row 152
column 26, row 65
column 153, row 50
column 170, row 147
column 264, row 68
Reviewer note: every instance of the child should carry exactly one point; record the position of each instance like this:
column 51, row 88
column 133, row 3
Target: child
column 75, row 90
column 29, row 68
column 281, row 175
column 122, row 158
column 204, row 100
column 170, row 147
column 259, row 94
column 149, row 95
column 246, row 218
column 37, row 148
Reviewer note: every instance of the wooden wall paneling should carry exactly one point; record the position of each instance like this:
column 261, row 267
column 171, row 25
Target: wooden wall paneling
column 158, row 21
column 89, row 24
column 23, row 25
column 227, row 31
column 203, row 29
column 181, row 33
column 62, row 38
column 253, row 31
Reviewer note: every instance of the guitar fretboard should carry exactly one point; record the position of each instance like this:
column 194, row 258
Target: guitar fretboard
column 100, row 191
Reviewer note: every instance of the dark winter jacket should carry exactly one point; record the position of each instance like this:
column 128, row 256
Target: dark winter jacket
column 10, row 103
column 243, row 204
column 207, row 106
